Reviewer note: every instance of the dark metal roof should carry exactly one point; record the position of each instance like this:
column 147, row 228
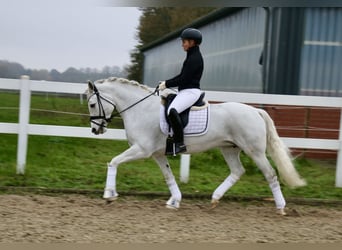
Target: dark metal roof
column 211, row 17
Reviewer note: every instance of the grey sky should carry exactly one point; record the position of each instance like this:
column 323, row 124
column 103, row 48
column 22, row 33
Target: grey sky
column 61, row 33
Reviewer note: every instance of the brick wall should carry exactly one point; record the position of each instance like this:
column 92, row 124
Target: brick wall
column 306, row 122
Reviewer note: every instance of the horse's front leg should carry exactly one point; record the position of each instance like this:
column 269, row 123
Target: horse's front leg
column 133, row 153
column 176, row 195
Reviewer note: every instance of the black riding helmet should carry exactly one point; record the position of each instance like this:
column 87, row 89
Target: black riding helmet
column 192, row 34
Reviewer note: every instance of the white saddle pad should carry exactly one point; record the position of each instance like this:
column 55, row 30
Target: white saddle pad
column 198, row 122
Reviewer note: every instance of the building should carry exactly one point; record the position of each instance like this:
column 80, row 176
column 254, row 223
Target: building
column 301, row 51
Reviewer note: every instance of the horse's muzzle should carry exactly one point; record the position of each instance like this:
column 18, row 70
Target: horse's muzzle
column 100, row 130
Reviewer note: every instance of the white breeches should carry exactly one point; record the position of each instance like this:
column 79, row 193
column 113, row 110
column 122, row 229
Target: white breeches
column 184, row 99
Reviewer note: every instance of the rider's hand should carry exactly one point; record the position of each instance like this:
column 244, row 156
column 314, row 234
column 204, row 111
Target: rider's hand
column 161, row 85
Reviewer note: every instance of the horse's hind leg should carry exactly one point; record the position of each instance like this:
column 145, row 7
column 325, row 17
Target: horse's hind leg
column 232, row 157
column 272, row 179
column 176, row 195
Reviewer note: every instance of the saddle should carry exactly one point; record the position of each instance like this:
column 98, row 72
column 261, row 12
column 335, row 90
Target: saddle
column 199, row 104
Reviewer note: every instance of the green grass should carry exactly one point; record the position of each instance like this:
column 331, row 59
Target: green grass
column 49, row 103
column 61, row 162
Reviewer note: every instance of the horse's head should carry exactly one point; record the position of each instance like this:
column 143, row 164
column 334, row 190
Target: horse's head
column 100, row 109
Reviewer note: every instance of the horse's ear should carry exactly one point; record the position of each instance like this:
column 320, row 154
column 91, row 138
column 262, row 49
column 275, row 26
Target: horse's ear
column 91, row 86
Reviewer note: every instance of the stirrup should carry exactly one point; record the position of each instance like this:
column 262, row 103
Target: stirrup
column 179, row 147
column 175, row 148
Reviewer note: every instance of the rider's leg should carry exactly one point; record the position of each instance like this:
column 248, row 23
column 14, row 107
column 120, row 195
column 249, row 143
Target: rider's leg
column 184, row 99
column 177, row 128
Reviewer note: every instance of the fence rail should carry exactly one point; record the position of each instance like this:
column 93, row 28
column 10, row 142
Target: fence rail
column 23, row 128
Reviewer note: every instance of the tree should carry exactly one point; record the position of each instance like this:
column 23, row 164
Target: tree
column 11, row 70
column 55, row 75
column 134, row 70
column 16, row 70
column 41, row 74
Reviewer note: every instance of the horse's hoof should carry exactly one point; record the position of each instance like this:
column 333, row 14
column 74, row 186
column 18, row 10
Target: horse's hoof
column 172, row 204
column 110, row 200
column 214, row 203
column 281, row 211
column 171, row 207
column 110, row 195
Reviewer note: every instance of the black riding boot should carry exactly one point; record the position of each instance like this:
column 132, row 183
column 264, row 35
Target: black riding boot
column 178, row 135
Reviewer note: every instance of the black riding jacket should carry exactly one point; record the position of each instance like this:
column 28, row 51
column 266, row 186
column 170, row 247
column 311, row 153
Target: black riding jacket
column 191, row 72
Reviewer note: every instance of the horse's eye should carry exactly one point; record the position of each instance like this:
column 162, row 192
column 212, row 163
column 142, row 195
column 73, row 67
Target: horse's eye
column 92, row 105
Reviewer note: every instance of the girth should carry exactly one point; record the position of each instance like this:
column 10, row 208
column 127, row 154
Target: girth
column 166, row 100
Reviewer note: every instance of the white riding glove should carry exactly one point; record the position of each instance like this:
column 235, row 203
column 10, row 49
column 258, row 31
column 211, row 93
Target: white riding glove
column 162, row 85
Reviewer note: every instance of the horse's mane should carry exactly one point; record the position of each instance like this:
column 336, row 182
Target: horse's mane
column 124, row 81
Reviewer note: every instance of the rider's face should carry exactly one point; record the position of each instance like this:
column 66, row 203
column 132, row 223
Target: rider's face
column 187, row 44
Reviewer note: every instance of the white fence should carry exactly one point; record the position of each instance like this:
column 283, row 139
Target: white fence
column 23, row 128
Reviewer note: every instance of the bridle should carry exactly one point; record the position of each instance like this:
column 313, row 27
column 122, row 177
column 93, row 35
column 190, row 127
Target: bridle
column 101, row 109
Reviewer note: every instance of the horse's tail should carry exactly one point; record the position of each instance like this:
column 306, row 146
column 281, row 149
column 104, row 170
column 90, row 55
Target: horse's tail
column 280, row 154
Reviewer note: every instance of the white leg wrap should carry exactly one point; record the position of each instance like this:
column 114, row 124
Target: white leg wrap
column 277, row 194
column 223, row 188
column 174, row 190
column 110, row 190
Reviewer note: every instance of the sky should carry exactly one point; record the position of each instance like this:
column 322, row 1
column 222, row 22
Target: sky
column 57, row 34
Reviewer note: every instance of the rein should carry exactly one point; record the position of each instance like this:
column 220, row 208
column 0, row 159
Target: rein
column 101, row 109
column 131, row 106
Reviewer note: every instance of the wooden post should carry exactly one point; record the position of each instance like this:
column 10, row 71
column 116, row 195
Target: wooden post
column 24, row 117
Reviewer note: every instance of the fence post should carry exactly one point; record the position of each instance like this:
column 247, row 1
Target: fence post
column 81, row 99
column 339, row 157
column 24, row 116
column 184, row 168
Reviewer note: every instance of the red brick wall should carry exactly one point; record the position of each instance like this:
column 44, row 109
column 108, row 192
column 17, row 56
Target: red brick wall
column 307, row 122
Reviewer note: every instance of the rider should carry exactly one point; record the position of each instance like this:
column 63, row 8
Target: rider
column 188, row 83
